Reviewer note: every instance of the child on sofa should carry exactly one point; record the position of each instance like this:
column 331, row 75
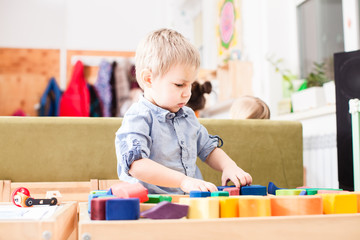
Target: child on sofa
column 249, row 107
column 160, row 138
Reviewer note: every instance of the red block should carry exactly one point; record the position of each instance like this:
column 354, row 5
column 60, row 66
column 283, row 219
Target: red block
column 233, row 191
column 98, row 208
column 130, row 190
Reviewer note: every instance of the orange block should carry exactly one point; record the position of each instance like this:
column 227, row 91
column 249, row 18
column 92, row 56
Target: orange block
column 254, row 206
column 335, row 203
column 358, row 201
column 296, row 205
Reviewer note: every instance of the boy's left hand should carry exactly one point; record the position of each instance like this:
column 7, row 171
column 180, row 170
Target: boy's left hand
column 235, row 174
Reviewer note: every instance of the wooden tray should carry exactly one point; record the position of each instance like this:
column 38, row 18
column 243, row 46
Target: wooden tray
column 344, row 226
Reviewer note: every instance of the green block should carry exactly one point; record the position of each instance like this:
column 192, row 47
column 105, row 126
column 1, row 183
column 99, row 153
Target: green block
column 354, row 109
column 107, row 196
column 220, row 194
column 288, row 192
column 104, row 192
column 311, row 191
column 154, row 198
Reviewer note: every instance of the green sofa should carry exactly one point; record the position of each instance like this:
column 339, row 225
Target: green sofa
column 45, row 149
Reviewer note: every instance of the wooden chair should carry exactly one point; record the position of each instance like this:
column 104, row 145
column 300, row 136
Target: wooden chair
column 70, row 191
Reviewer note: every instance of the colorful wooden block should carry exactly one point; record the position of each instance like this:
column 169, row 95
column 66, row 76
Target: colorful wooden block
column 330, row 191
column 122, row 209
column 130, row 190
column 221, row 188
column 303, row 192
column 175, row 197
column 272, row 188
column 201, row 208
column 254, row 206
column 229, row 207
column 199, row 194
column 288, row 192
column 296, row 205
column 233, row 191
column 334, row 203
column 311, row 191
column 253, row 190
column 220, row 194
column 155, row 198
column 358, row 200
column 95, row 194
column 166, row 210
column 98, row 208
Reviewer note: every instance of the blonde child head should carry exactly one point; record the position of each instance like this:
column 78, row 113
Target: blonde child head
column 162, row 49
column 249, row 107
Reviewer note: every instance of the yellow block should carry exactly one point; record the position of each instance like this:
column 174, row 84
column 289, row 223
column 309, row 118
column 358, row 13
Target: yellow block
column 254, row 206
column 201, row 208
column 229, row 207
column 334, row 203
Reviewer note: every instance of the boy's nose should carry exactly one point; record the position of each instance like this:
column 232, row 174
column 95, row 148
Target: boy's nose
column 187, row 92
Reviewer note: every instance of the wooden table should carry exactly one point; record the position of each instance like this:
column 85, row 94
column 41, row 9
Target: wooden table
column 61, row 225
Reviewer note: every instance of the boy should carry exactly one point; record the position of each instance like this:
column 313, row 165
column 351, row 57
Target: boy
column 160, row 138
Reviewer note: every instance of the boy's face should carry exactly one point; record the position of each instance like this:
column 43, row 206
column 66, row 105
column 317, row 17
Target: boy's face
column 172, row 90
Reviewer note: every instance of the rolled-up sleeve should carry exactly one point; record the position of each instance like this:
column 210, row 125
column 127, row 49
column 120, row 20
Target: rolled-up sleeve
column 206, row 143
column 133, row 143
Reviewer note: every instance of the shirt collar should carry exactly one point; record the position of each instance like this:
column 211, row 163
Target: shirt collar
column 161, row 114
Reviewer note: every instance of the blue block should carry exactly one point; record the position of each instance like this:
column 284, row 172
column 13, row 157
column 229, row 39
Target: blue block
column 303, row 192
column 95, row 194
column 199, row 194
column 253, row 190
column 221, row 188
column 122, row 209
column 272, row 188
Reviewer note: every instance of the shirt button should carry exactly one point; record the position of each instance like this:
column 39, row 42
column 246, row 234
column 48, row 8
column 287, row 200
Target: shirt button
column 170, row 116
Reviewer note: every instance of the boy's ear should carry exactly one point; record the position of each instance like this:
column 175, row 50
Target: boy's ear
column 146, row 77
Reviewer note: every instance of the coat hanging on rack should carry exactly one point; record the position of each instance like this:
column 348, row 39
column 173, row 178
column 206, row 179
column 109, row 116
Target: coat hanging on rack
column 102, row 86
column 50, row 100
column 75, row 101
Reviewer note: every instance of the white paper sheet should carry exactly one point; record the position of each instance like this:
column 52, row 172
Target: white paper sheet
column 10, row 212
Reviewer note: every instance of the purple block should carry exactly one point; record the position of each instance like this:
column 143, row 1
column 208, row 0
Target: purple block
column 166, row 210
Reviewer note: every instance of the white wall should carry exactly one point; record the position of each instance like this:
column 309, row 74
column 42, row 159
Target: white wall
column 108, row 25
column 351, row 25
column 32, row 24
column 269, row 27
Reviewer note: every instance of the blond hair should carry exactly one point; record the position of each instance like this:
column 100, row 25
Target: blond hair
column 249, row 107
column 164, row 48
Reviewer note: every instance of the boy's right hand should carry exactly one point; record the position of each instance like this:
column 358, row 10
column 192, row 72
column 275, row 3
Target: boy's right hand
column 192, row 184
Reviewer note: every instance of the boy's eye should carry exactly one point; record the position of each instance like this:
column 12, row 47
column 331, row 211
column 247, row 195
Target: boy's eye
column 179, row 85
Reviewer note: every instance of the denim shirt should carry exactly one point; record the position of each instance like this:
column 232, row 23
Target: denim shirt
column 174, row 140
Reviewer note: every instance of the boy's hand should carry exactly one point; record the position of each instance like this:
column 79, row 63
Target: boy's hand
column 192, row 184
column 238, row 176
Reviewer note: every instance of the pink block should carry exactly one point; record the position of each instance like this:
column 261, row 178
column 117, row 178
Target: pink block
column 233, row 191
column 330, row 191
column 130, row 190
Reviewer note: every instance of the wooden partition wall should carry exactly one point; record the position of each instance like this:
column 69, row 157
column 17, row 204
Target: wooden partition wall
column 24, row 75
